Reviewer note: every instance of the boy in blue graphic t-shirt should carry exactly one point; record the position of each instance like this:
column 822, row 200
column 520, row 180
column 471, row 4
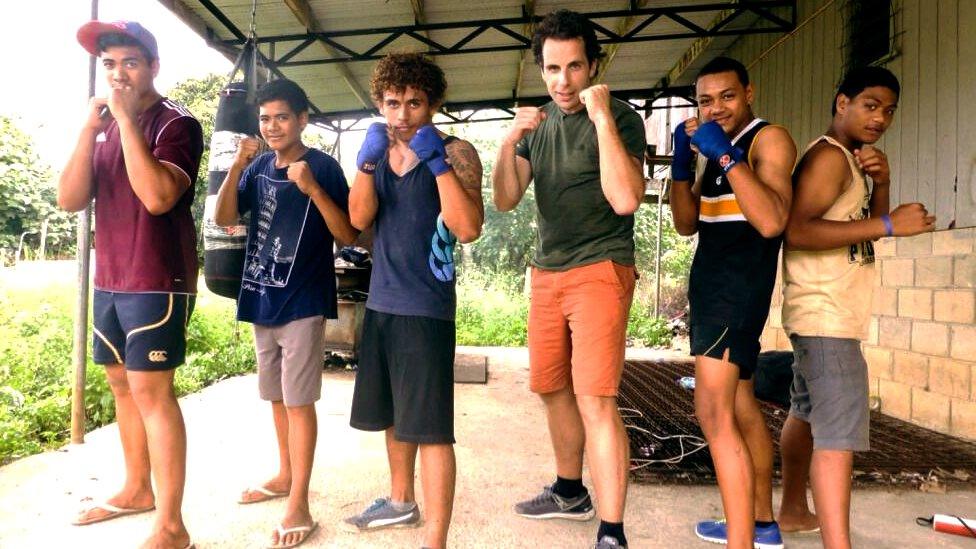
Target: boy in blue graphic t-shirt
column 298, row 200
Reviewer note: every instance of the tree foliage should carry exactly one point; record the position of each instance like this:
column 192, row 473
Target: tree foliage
column 201, row 96
column 508, row 239
column 28, row 196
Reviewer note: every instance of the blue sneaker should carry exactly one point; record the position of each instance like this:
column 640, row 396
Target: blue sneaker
column 714, row 531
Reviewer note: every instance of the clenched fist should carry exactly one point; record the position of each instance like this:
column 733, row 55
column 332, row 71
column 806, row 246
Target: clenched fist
column 527, row 119
column 301, row 174
column 874, row 163
column 911, row 219
column 247, row 149
column 596, row 99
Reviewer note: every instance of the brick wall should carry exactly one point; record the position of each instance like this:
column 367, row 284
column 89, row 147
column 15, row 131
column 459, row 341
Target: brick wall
column 921, row 349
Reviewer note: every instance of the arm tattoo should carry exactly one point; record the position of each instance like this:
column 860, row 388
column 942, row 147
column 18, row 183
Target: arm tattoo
column 466, row 164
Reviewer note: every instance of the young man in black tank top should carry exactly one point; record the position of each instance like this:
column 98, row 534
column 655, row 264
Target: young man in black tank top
column 739, row 208
column 420, row 190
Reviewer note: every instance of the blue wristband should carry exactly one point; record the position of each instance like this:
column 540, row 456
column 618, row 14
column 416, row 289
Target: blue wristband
column 889, row 227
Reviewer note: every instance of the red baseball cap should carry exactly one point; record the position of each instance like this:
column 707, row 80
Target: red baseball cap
column 90, row 32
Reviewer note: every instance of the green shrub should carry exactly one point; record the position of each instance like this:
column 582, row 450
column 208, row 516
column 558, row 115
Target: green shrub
column 645, row 329
column 491, row 310
column 36, row 375
column 217, row 347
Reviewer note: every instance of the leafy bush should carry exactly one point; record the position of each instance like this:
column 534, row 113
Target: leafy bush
column 28, row 198
column 491, row 310
column 36, row 375
column 217, row 347
column 646, row 329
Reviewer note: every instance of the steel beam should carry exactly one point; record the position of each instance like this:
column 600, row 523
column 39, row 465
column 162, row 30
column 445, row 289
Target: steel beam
column 463, row 111
column 303, row 12
column 517, row 30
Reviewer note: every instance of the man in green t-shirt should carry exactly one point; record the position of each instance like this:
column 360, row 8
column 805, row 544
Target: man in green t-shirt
column 584, row 151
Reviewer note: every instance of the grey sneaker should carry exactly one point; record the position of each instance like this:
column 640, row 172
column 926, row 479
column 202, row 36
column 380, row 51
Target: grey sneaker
column 609, row 542
column 548, row 505
column 381, row 514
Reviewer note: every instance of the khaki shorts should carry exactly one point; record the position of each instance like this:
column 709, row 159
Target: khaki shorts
column 578, row 328
column 290, row 360
column 830, row 391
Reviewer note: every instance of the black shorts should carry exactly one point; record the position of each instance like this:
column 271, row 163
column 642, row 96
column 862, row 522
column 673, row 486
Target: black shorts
column 144, row 331
column 406, row 378
column 711, row 340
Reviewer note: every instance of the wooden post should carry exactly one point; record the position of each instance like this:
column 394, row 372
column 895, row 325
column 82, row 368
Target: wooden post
column 80, row 346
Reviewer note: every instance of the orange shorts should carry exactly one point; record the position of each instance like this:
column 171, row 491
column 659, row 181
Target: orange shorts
column 578, row 328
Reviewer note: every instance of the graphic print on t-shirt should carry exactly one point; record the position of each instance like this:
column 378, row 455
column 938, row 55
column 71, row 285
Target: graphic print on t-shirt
column 862, row 253
column 271, row 255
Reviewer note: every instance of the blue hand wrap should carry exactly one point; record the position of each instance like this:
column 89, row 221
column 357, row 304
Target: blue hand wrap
column 429, row 147
column 712, row 142
column 375, row 144
column 681, row 162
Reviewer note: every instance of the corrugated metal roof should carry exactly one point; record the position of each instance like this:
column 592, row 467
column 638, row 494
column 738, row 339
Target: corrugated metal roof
column 329, row 47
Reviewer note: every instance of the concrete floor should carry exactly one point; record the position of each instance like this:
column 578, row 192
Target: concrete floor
column 503, row 455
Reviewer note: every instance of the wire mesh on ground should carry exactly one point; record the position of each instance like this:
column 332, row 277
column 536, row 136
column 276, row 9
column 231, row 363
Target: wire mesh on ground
column 667, row 445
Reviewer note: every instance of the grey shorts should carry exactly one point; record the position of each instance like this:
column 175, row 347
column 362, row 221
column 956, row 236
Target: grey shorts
column 830, row 391
column 290, row 360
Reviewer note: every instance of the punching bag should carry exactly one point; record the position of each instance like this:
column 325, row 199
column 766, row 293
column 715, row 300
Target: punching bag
column 223, row 247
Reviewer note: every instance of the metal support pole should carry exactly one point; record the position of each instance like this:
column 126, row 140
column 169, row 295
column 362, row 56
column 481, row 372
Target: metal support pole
column 43, row 253
column 660, row 212
column 80, row 346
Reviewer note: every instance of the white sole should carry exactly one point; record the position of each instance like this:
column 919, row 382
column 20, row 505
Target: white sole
column 357, row 530
column 565, row 516
column 716, row 541
column 719, row 541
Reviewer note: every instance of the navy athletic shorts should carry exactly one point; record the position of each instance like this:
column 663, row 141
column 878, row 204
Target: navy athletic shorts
column 144, row 331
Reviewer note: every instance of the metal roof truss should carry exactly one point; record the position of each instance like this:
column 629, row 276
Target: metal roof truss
column 513, row 29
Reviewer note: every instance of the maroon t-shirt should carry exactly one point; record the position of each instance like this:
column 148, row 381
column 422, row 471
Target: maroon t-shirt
column 136, row 251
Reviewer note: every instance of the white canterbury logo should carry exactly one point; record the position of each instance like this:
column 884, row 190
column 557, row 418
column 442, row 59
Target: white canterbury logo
column 157, row 356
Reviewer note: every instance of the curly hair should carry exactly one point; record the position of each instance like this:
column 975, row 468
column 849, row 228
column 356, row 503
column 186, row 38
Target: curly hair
column 396, row 71
column 566, row 25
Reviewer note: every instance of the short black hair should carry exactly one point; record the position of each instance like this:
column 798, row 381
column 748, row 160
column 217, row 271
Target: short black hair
column 859, row 78
column 566, row 25
column 117, row 39
column 725, row 64
column 284, row 90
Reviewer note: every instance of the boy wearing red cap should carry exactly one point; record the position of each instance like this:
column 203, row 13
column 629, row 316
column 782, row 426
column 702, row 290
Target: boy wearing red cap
column 137, row 155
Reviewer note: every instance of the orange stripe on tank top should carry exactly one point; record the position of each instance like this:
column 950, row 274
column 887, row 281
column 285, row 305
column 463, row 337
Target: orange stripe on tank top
column 722, row 207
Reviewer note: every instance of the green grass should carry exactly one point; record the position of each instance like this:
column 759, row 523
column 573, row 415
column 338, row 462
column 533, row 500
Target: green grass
column 36, row 375
column 493, row 310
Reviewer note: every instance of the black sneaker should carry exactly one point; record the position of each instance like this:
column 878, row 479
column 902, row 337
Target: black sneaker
column 549, row 505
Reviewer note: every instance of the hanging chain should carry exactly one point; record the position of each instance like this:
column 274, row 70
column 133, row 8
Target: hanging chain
column 253, row 33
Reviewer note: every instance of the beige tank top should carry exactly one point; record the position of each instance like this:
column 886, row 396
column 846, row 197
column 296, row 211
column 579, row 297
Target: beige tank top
column 828, row 293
